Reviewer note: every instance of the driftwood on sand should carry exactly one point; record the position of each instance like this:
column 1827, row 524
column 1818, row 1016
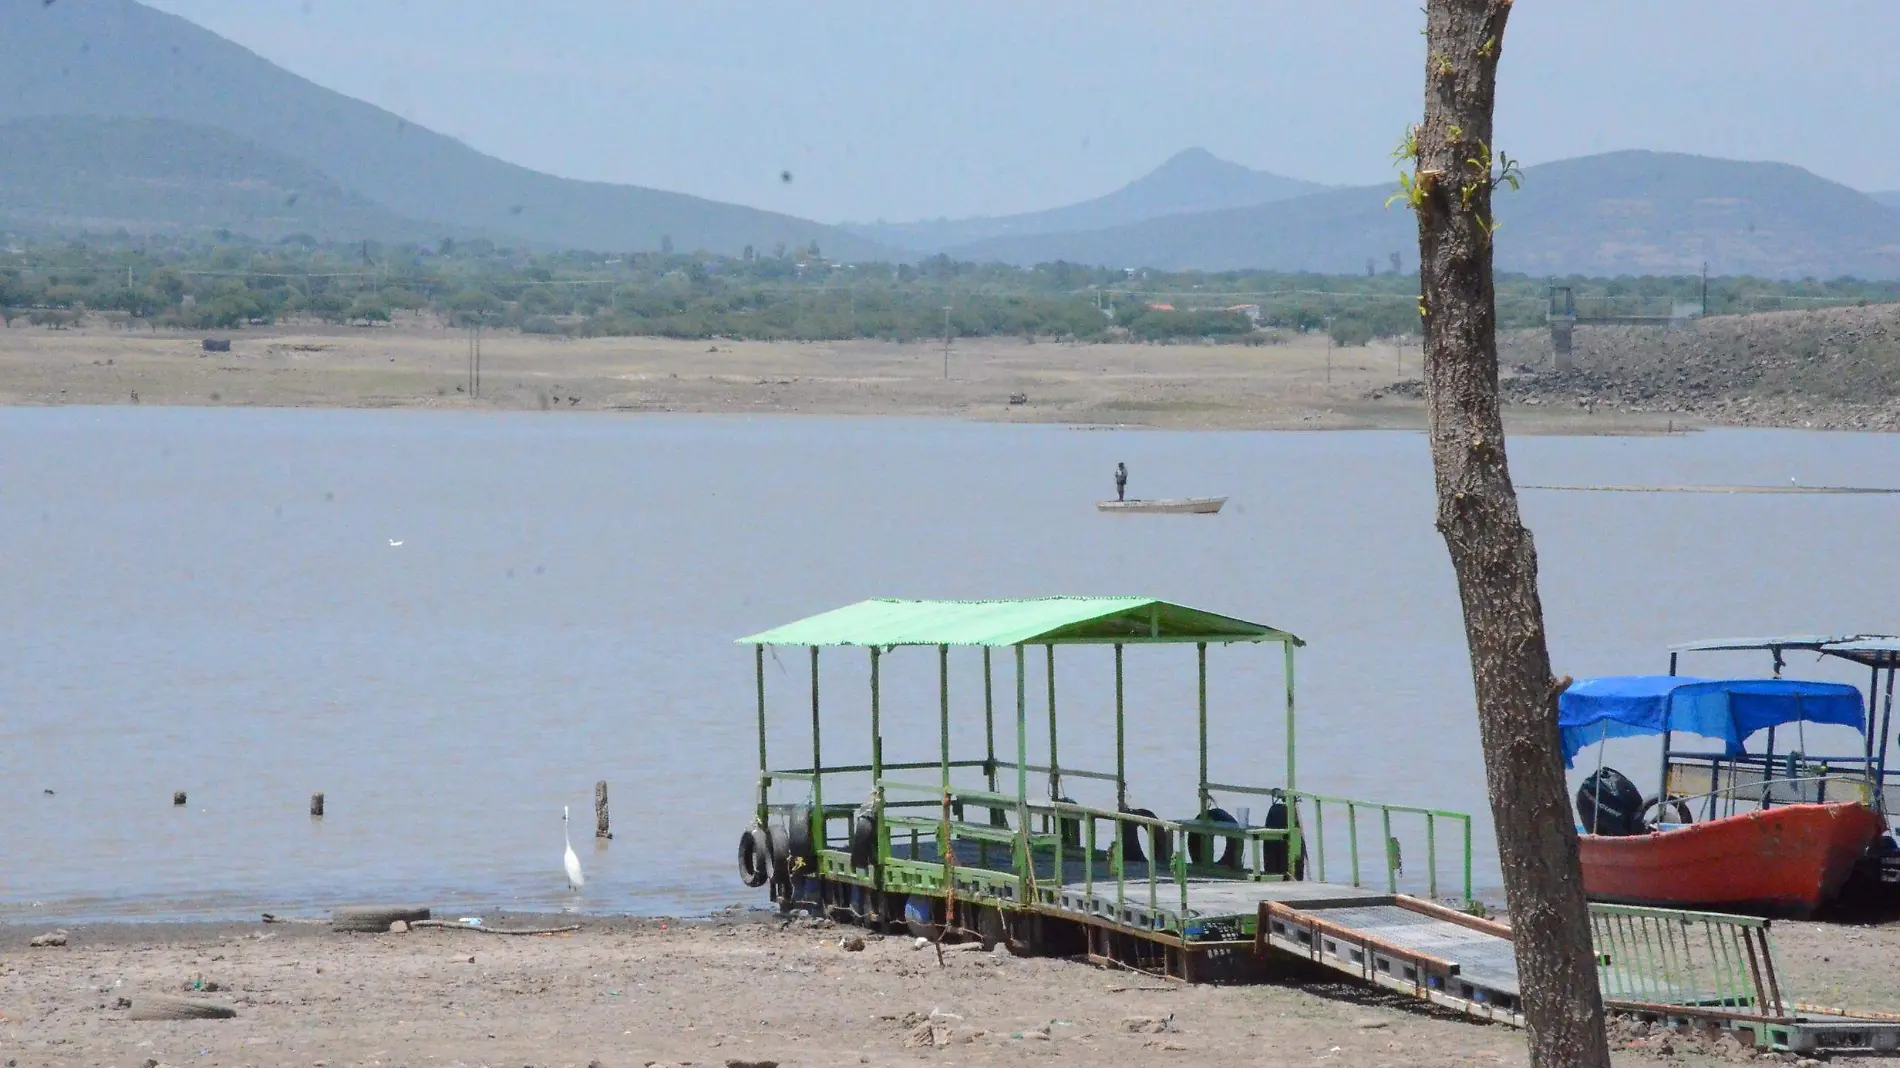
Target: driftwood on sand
column 450, row 925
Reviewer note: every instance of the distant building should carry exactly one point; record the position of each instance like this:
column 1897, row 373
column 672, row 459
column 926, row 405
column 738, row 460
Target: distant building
column 1160, row 307
column 1251, row 311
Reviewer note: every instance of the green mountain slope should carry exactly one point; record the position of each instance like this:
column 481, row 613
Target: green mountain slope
column 119, row 59
column 69, row 174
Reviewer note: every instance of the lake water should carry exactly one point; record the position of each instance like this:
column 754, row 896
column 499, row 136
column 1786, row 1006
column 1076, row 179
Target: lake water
column 210, row 601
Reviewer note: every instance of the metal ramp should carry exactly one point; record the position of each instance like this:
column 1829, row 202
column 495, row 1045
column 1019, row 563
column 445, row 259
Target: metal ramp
column 1678, row 967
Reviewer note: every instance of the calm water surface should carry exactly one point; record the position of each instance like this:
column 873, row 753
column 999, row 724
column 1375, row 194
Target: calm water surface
column 210, row 601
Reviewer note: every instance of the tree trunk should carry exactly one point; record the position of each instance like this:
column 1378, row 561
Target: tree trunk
column 1451, row 192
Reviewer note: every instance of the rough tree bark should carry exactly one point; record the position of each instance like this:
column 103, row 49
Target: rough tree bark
column 1450, row 190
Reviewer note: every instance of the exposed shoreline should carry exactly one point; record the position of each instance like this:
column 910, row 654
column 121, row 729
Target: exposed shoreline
column 748, row 985
column 414, row 365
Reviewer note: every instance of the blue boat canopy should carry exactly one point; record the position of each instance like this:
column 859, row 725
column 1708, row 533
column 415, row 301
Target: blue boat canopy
column 1727, row 710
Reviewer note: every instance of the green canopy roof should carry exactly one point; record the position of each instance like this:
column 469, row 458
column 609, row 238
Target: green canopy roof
column 1046, row 620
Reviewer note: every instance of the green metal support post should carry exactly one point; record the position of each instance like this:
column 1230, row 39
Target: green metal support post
column 1200, row 651
column 944, row 844
column 943, row 712
column 877, row 730
column 989, row 722
column 1291, row 782
column 817, row 756
column 989, row 752
column 1026, row 874
column 758, row 663
column 877, row 770
column 1055, row 765
column 1121, row 738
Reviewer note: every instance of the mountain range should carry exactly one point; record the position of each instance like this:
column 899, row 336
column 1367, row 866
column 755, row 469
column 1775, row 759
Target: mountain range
column 1194, row 180
column 66, row 174
column 115, row 115
column 122, row 60
column 1617, row 213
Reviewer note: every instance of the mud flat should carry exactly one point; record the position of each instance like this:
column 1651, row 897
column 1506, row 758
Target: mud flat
column 744, row 988
column 418, row 365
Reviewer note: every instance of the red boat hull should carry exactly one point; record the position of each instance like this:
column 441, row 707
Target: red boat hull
column 1790, row 859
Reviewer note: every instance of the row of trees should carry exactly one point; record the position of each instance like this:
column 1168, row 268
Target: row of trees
column 228, row 283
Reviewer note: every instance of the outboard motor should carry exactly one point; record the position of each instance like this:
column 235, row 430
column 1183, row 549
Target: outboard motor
column 1608, row 803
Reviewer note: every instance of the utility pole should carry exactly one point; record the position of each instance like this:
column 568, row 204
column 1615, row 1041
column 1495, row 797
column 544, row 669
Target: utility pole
column 1329, row 350
column 1705, row 289
column 475, row 359
column 946, row 342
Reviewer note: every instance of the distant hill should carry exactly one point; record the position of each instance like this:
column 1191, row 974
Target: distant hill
column 119, row 59
column 70, row 174
column 1191, row 181
column 1628, row 213
column 1891, row 197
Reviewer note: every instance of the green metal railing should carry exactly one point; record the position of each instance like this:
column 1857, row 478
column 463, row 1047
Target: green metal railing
column 1390, row 853
column 1665, row 957
column 1070, row 836
column 1037, row 849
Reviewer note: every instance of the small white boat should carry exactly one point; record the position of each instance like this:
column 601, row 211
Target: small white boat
column 1176, row 506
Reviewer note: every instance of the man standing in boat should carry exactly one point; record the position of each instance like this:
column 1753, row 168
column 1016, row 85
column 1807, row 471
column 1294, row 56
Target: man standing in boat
column 1121, row 481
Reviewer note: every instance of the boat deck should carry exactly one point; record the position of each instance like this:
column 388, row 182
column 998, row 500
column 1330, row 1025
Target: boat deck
column 1216, row 908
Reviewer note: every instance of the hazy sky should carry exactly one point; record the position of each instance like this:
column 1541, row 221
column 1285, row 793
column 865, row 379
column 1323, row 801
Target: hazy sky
column 903, row 109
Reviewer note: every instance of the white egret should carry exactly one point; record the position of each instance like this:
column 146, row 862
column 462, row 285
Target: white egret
column 575, row 880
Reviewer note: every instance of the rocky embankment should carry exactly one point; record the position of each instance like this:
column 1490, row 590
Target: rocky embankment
column 1837, row 369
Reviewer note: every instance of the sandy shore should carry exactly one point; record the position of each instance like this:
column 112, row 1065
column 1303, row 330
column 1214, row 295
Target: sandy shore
column 745, row 988
column 412, row 365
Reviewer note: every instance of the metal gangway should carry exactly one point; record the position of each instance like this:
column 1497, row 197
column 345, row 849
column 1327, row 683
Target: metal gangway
column 1682, row 968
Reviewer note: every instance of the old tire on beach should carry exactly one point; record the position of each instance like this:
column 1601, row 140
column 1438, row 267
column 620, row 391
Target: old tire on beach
column 158, row 1007
column 376, row 918
column 752, row 857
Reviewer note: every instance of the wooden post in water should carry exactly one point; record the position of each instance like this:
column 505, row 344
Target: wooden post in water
column 316, row 804
column 600, row 811
column 178, row 798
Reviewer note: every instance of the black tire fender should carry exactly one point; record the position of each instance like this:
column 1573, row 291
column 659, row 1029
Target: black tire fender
column 1273, row 854
column 800, row 844
column 1131, row 842
column 1069, row 828
column 778, row 846
column 1201, row 846
column 864, row 841
column 753, row 857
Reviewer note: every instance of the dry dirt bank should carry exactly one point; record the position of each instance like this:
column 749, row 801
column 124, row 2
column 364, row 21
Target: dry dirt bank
column 734, row 990
column 1836, row 369
column 1190, row 387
